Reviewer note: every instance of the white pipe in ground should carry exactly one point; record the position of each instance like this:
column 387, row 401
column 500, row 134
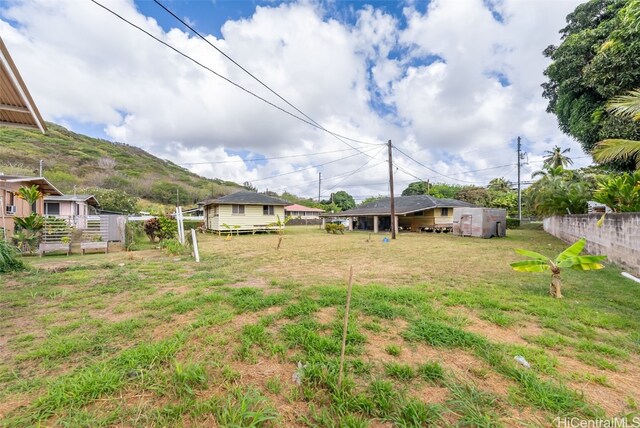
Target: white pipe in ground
column 631, row 277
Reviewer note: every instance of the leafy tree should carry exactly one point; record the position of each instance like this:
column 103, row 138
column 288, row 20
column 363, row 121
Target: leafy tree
column 599, row 58
column 444, row 190
column 114, row 200
column 556, row 158
column 569, row 258
column 475, row 195
column 343, row 200
column 371, row 199
column 620, row 149
column 248, row 186
column 168, row 193
column 563, row 192
column 621, row 193
column 416, row 188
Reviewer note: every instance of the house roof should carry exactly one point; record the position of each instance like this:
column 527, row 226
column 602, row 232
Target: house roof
column 90, row 199
column 245, row 197
column 296, row 207
column 45, row 186
column 403, row 205
column 17, row 108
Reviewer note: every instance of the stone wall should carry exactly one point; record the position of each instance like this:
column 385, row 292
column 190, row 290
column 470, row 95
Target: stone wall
column 618, row 238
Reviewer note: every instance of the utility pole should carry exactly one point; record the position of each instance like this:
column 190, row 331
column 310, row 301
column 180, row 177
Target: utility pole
column 520, row 157
column 41, row 167
column 393, row 203
column 319, row 183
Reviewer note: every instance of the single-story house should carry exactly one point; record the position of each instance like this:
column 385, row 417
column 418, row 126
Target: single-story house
column 243, row 211
column 74, row 208
column 12, row 206
column 414, row 213
column 302, row 212
column 17, row 108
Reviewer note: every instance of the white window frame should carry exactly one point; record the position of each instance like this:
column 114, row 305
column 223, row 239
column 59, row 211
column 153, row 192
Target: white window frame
column 268, row 210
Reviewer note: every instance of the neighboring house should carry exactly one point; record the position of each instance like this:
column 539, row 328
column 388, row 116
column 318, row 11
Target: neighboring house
column 17, row 108
column 415, row 213
column 302, row 212
column 74, row 208
column 12, row 206
column 243, row 211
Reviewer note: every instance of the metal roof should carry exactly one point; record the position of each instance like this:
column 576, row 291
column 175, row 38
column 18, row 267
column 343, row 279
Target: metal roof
column 17, row 108
column 90, row 199
column 43, row 184
column 296, row 207
column 403, row 205
column 245, row 197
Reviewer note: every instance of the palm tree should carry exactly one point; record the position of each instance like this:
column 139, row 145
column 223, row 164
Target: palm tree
column 619, row 149
column 552, row 172
column 500, row 184
column 30, row 194
column 555, row 158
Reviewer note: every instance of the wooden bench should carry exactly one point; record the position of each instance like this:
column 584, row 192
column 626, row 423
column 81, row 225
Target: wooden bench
column 84, row 246
column 47, row 247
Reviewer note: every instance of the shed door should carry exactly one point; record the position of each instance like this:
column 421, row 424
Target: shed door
column 465, row 224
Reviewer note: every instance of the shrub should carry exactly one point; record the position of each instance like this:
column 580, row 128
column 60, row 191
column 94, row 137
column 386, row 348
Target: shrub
column 173, row 246
column 151, row 228
column 513, row 223
column 167, row 228
column 9, row 261
column 334, row 228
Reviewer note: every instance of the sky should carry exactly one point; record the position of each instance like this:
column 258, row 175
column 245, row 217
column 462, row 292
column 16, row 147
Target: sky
column 452, row 83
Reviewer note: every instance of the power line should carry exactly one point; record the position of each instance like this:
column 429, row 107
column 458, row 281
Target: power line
column 264, row 159
column 433, row 170
column 338, row 136
column 356, row 170
column 242, row 88
column 312, row 166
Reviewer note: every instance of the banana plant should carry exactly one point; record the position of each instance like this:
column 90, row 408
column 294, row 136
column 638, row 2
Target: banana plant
column 569, row 258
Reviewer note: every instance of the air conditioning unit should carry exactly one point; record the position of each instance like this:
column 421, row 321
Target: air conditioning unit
column 11, row 209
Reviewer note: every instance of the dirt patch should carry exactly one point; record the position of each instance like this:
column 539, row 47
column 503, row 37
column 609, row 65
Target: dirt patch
column 250, row 283
column 461, row 364
column 258, row 374
column 327, row 315
column 622, row 385
column 166, row 329
column 511, row 335
column 14, row 402
column 432, row 394
column 247, row 318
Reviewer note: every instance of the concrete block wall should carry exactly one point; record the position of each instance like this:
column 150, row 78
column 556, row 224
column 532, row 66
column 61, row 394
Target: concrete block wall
column 618, row 238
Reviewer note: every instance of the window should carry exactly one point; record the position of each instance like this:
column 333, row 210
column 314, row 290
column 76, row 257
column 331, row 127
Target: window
column 418, row 213
column 34, row 207
column 267, row 210
column 77, row 209
column 237, row 209
column 444, row 212
column 52, row 208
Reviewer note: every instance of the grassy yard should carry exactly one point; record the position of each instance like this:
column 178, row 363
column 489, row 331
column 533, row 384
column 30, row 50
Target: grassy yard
column 251, row 336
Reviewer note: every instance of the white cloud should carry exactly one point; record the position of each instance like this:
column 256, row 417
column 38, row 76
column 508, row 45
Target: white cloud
column 83, row 64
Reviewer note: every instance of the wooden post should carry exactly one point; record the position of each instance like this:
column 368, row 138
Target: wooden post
column 196, row 253
column 279, row 242
column 346, row 325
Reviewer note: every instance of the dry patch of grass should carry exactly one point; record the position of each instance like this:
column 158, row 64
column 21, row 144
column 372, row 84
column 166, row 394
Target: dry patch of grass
column 140, row 339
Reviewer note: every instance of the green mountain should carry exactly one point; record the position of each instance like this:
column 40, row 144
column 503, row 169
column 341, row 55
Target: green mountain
column 76, row 161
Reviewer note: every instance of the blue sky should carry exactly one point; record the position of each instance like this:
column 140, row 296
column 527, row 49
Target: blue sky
column 452, row 83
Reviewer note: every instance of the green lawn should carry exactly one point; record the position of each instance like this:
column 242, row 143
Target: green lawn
column 251, row 336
